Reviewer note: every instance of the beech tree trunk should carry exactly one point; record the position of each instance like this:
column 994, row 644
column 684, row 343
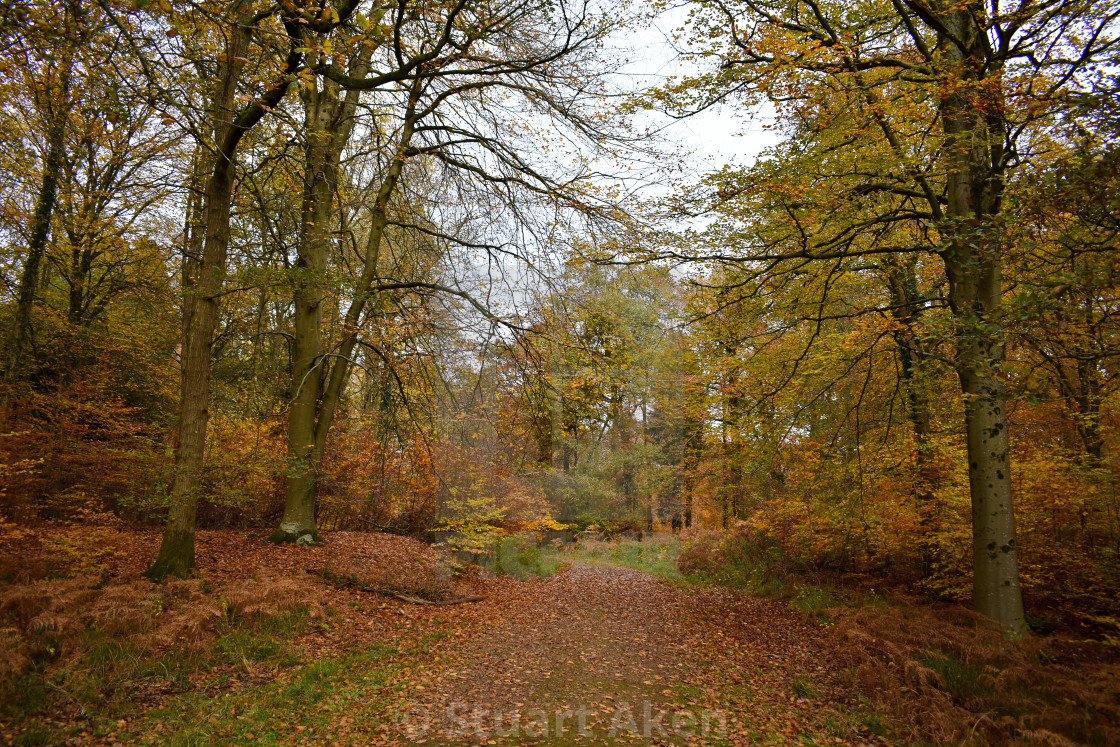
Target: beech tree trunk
column 974, row 142
column 329, row 122
column 317, row 385
column 201, row 298
column 321, row 178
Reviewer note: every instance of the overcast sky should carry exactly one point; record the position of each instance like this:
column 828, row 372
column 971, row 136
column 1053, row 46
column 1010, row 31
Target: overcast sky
column 717, row 136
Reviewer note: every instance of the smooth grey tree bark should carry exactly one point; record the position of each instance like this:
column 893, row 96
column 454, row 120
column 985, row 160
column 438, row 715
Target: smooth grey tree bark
column 974, row 139
column 329, row 119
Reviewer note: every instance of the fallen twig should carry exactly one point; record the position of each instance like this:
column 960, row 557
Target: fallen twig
column 421, row 600
column 354, row 583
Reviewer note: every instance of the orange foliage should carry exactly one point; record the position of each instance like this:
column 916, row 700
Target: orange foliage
column 74, row 449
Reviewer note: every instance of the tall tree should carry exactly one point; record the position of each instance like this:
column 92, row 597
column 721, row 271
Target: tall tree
column 989, row 77
column 50, row 45
column 328, row 123
column 203, row 288
column 469, row 63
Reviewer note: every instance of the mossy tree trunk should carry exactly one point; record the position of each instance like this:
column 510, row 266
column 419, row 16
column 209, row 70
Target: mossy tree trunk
column 318, row 384
column 329, row 121
column 56, row 98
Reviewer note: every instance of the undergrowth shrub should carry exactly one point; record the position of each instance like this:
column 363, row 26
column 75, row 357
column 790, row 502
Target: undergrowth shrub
column 746, row 558
column 825, row 515
column 655, row 553
column 519, row 556
column 72, row 447
column 50, row 620
column 952, row 679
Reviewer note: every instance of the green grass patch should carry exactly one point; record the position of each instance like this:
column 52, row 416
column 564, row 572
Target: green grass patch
column 657, row 557
column 108, row 677
column 961, row 678
column 803, row 688
column 815, row 601
column 860, row 718
column 352, row 698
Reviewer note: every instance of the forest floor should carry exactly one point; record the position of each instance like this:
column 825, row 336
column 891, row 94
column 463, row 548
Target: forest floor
column 259, row 651
column 606, row 653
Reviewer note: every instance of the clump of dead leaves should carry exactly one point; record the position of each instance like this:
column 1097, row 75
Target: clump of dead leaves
column 412, row 569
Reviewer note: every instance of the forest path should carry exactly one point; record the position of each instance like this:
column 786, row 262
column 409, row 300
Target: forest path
column 602, row 653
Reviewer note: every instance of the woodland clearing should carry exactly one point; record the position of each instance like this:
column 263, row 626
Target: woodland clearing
column 409, row 285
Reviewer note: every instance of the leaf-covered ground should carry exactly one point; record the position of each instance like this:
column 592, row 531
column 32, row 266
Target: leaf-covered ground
column 257, row 650
column 594, row 653
column 601, row 652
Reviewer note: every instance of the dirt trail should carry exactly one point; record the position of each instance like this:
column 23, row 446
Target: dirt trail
column 605, row 653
